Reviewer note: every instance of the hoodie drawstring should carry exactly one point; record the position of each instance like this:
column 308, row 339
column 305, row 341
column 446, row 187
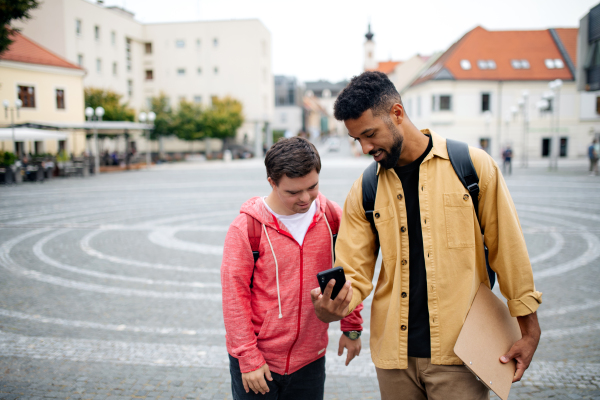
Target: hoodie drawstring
column 276, row 269
column 331, row 236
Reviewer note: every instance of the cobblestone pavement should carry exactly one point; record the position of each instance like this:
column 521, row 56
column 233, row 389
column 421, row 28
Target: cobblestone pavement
column 110, row 286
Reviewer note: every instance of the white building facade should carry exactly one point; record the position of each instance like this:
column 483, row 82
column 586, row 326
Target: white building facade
column 492, row 92
column 191, row 61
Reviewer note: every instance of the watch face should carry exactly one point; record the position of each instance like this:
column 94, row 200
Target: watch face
column 353, row 335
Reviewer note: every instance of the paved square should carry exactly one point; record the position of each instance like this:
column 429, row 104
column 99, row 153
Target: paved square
column 110, row 285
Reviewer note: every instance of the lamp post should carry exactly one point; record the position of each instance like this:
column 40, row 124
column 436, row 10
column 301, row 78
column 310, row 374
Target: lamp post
column 7, row 108
column 151, row 116
column 90, row 113
column 555, row 86
column 523, row 105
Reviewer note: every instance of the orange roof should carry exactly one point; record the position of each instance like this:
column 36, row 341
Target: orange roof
column 502, row 47
column 568, row 36
column 25, row 50
column 387, row 67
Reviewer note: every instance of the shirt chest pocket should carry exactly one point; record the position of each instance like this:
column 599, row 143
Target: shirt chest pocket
column 385, row 224
column 458, row 209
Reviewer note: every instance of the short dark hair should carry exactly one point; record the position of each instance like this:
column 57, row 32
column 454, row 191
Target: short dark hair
column 294, row 157
column 369, row 90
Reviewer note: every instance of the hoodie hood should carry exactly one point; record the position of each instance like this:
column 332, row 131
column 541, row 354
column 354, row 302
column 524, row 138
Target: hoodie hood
column 255, row 207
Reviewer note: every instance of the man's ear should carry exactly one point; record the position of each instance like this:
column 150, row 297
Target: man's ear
column 397, row 113
column 271, row 182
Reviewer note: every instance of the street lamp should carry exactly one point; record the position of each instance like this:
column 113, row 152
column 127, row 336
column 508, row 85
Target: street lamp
column 7, row 108
column 523, row 104
column 555, row 86
column 151, row 116
column 98, row 113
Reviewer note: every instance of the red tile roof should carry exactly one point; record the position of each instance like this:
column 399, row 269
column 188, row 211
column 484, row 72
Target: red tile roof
column 502, row 47
column 568, row 36
column 387, row 67
column 26, row 50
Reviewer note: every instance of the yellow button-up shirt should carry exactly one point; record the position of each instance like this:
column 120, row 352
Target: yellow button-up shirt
column 453, row 250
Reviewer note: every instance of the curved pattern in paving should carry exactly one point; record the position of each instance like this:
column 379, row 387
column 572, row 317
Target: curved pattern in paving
column 131, row 276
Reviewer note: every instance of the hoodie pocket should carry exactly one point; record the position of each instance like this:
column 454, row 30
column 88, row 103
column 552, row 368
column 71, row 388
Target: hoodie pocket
column 268, row 328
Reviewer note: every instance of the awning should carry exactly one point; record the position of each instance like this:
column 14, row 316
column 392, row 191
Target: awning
column 25, row 134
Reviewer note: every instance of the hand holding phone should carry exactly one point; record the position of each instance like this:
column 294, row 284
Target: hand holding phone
column 336, row 273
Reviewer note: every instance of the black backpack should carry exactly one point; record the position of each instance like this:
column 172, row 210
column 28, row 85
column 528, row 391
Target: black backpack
column 463, row 166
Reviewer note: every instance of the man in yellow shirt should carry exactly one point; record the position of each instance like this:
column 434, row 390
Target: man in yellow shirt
column 432, row 251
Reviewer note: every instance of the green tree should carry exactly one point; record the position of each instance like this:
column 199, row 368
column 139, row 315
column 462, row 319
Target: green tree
column 223, row 118
column 188, row 122
column 9, row 11
column 114, row 110
column 163, row 124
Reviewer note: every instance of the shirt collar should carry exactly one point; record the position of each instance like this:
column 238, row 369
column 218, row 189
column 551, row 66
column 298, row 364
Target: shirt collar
column 439, row 147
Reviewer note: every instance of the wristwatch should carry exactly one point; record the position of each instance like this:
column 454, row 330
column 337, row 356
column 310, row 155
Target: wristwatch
column 352, row 335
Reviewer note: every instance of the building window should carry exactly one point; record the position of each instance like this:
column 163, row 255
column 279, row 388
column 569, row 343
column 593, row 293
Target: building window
column 554, row 63
column 215, row 42
column 216, row 70
column 60, row 99
column 181, row 71
column 97, row 32
column 27, row 96
column 549, row 108
column 486, row 64
column 80, row 60
column 563, row 146
column 148, row 48
column 98, row 65
column 546, row 147
column 597, row 104
column 149, row 75
column 78, row 27
column 180, row 43
column 291, row 96
column 130, row 88
column 485, row 102
column 197, row 99
column 128, row 53
column 519, row 64
column 114, row 68
column 433, row 102
column 445, row 103
column 465, row 64
column 113, row 38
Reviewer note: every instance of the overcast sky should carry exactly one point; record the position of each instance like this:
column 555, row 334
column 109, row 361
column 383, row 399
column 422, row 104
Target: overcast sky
column 323, row 39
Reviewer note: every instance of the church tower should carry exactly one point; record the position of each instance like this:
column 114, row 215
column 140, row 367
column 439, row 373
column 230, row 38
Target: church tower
column 370, row 62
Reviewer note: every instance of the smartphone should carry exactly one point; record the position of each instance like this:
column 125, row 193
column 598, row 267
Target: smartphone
column 336, row 273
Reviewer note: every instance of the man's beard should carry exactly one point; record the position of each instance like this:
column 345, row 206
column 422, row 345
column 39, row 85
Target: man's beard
column 393, row 155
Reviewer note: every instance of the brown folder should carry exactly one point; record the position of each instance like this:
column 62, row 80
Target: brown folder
column 488, row 333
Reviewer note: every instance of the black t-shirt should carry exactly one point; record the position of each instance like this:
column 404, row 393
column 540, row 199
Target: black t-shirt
column 419, row 341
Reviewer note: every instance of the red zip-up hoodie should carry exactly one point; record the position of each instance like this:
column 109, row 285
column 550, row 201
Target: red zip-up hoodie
column 256, row 331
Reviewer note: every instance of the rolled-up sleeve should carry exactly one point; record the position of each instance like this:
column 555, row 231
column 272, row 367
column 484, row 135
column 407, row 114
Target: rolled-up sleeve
column 504, row 238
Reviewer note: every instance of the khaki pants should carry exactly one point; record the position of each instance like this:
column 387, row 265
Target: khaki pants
column 423, row 380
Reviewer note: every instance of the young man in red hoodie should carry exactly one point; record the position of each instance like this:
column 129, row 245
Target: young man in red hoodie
column 275, row 341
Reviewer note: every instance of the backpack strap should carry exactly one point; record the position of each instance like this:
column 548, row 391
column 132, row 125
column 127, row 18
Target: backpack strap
column 369, row 190
column 254, row 232
column 460, row 158
column 334, row 222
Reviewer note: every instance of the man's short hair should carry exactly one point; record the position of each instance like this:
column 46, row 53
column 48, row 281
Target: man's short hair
column 294, row 157
column 369, row 90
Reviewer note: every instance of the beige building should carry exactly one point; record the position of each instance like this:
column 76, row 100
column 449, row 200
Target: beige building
column 190, row 61
column 50, row 89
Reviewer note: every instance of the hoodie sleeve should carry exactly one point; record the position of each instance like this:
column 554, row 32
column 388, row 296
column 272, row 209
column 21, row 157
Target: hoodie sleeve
column 236, row 272
column 353, row 321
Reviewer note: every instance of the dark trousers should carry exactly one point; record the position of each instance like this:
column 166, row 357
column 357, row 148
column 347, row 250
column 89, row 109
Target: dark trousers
column 308, row 383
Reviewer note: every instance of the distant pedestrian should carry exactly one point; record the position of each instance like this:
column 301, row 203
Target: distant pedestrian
column 593, row 154
column 507, row 157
